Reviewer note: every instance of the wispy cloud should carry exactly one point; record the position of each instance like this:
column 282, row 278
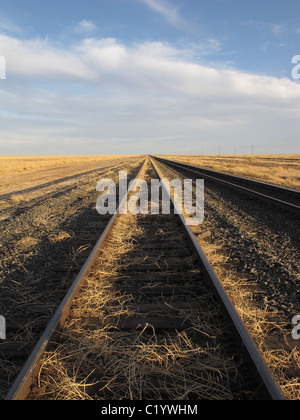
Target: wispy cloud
column 277, row 29
column 269, row 28
column 86, row 26
column 267, row 46
column 169, row 12
column 9, row 27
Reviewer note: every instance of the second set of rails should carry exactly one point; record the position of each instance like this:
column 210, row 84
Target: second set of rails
column 280, row 197
column 169, row 291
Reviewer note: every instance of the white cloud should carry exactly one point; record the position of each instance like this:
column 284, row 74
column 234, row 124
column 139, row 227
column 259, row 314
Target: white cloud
column 86, row 27
column 37, row 58
column 129, row 95
column 155, row 65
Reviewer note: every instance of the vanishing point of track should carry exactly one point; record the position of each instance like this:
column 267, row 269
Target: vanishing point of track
column 169, row 289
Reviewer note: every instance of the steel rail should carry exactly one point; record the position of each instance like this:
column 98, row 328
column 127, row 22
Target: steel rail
column 234, row 185
column 21, row 387
column 272, row 389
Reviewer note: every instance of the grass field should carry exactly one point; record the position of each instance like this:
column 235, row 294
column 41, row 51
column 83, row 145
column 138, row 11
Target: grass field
column 21, row 172
column 281, row 170
column 10, row 165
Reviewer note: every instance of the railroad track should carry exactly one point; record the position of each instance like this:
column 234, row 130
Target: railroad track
column 280, row 197
column 42, row 250
column 146, row 318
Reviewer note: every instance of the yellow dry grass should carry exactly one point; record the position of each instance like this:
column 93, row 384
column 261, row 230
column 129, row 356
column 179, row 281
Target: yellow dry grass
column 58, row 237
column 93, row 363
column 27, row 242
column 270, row 335
column 283, row 170
column 13, row 165
column 17, row 199
column 121, row 364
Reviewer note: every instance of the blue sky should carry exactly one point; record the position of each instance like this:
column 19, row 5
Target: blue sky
column 149, row 76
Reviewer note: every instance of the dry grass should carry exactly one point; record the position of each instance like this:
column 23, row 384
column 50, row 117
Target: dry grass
column 281, row 170
column 19, row 174
column 108, row 363
column 123, row 367
column 17, row 199
column 13, row 165
column 27, row 242
column 58, row 237
column 271, row 336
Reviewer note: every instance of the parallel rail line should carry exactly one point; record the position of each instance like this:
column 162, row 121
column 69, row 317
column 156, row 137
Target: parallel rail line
column 170, row 278
column 284, row 198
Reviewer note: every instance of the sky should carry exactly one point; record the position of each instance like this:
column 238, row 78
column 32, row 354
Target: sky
column 149, row 76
